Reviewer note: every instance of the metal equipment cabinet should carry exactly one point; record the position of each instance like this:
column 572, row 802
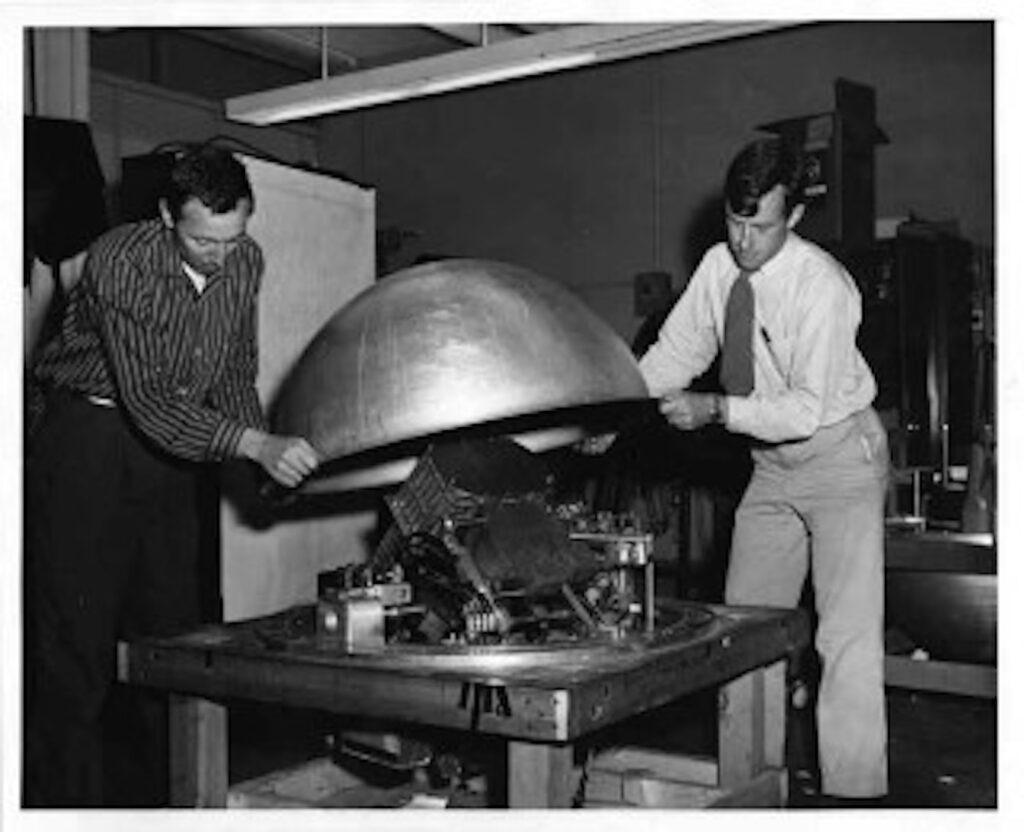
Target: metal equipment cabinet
column 941, row 594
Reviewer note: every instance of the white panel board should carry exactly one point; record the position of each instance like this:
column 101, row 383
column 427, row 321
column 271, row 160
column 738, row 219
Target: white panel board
column 317, row 234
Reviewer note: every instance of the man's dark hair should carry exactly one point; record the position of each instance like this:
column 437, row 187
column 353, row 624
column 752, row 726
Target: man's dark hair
column 758, row 168
column 212, row 175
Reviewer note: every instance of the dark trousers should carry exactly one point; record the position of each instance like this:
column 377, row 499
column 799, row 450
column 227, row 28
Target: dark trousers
column 111, row 537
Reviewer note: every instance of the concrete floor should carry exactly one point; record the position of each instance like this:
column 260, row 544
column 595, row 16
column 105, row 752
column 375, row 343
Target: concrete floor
column 942, row 751
column 942, row 754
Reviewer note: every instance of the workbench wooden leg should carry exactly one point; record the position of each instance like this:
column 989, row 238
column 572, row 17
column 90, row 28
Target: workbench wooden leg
column 199, row 752
column 540, row 776
column 752, row 725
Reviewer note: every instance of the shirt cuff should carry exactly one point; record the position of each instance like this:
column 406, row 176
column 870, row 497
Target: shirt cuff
column 738, row 414
column 224, row 443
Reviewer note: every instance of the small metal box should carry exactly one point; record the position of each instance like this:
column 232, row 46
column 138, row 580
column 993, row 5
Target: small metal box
column 357, row 624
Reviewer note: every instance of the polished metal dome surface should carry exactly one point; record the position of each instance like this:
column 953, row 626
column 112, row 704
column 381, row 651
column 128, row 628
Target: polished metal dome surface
column 445, row 346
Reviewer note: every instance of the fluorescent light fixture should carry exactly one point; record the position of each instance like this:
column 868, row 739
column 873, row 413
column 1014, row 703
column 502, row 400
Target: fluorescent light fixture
column 312, row 107
column 558, row 49
column 340, row 93
column 505, row 73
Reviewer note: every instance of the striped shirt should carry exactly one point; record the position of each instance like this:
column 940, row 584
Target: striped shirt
column 808, row 372
column 180, row 363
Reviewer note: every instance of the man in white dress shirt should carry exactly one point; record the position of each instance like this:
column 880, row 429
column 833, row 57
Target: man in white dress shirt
column 797, row 385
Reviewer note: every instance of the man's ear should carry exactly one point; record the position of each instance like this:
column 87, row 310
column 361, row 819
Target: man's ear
column 165, row 213
column 795, row 216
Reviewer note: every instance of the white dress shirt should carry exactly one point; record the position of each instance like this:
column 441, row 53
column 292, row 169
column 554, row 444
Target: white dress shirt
column 808, row 372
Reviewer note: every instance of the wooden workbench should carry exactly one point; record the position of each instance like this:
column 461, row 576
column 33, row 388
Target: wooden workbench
column 542, row 701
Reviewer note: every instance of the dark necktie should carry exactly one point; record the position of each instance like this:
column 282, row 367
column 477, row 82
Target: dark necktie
column 737, row 367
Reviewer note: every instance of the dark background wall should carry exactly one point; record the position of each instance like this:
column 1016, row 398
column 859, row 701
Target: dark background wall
column 592, row 175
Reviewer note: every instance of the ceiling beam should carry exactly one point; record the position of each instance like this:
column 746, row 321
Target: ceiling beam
column 475, row 34
column 303, row 43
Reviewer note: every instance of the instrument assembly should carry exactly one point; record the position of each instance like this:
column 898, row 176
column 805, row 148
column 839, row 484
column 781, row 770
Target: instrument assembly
column 479, row 554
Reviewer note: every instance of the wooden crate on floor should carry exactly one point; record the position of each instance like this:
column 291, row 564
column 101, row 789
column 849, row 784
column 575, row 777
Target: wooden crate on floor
column 318, row 783
column 646, row 778
column 323, row 784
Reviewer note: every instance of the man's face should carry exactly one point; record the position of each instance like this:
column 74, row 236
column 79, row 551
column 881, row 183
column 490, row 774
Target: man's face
column 755, row 240
column 205, row 238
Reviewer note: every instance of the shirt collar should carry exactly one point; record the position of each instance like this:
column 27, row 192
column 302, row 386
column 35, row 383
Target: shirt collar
column 174, row 262
column 195, row 277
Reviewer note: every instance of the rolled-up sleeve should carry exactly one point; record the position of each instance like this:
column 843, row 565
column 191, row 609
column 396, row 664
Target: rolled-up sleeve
column 688, row 341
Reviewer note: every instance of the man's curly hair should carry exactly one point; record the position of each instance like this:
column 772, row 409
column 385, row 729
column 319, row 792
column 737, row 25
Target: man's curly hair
column 758, row 168
column 210, row 174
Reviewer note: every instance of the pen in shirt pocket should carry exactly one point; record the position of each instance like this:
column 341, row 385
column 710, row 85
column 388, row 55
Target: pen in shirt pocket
column 771, row 352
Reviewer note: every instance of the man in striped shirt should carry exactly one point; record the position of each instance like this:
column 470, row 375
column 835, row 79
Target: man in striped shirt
column 152, row 373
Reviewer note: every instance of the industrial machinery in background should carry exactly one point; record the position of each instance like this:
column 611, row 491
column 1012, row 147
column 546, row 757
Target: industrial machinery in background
column 839, row 146
column 928, row 333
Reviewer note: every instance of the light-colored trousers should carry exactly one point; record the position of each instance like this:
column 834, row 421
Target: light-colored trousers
column 820, row 503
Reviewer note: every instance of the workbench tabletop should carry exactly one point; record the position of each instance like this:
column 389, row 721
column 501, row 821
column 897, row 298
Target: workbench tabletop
column 546, row 692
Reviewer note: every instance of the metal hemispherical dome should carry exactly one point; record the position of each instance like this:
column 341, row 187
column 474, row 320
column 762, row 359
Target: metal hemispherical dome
column 449, row 345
